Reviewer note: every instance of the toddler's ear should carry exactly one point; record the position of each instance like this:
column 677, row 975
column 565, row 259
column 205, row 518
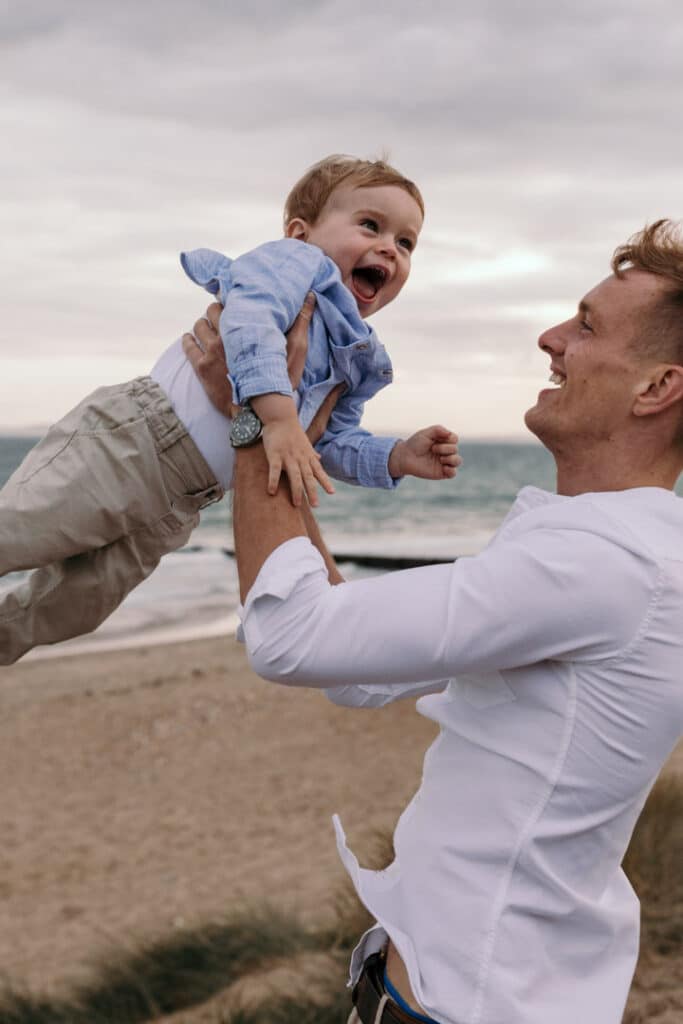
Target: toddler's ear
column 297, row 228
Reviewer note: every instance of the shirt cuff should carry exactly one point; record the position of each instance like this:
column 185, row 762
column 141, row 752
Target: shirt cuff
column 284, row 568
column 373, row 464
column 259, row 377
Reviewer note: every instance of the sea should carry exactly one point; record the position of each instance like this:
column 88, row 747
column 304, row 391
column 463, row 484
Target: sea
column 194, row 593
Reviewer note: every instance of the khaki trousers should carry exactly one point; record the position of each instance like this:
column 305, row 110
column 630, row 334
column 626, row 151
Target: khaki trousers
column 110, row 489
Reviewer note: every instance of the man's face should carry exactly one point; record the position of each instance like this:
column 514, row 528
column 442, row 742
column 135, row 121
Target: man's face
column 595, row 364
column 370, row 233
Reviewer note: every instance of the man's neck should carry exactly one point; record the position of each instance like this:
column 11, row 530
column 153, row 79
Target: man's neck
column 615, row 469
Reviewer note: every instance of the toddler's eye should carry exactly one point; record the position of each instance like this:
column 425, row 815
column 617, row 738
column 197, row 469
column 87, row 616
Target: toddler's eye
column 407, row 243
column 368, row 222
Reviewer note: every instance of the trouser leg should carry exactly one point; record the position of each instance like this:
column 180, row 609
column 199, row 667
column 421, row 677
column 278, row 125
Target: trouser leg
column 93, row 478
column 72, row 597
column 121, row 472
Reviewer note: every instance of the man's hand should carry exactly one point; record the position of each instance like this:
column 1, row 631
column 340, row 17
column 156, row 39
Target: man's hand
column 431, row 454
column 205, row 352
column 318, row 424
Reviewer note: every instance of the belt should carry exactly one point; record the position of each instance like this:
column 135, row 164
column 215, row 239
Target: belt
column 373, row 1003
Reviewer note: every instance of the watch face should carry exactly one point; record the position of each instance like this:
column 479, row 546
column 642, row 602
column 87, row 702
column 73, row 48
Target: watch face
column 246, row 429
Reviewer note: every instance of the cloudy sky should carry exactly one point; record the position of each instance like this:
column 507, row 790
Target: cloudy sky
column 541, row 134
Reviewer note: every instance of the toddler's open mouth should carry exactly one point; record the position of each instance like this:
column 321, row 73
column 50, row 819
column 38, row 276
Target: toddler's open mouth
column 367, row 281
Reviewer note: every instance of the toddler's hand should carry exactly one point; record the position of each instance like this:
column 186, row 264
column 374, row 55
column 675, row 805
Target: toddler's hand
column 288, row 450
column 431, row 453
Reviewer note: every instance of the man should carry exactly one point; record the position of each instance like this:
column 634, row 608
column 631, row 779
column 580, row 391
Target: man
column 552, row 660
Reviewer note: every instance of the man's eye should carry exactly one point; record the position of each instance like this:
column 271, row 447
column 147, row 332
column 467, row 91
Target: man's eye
column 585, row 326
column 368, row 222
column 407, row 243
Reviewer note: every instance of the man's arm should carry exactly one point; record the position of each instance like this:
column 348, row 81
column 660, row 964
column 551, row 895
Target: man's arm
column 520, row 602
column 261, row 522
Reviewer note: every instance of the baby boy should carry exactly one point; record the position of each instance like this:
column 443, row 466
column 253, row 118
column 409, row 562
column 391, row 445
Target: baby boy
column 121, row 479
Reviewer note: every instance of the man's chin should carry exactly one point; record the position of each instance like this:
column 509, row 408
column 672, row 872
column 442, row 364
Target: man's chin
column 533, row 421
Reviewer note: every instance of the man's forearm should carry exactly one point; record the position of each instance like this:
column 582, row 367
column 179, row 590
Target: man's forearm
column 261, row 522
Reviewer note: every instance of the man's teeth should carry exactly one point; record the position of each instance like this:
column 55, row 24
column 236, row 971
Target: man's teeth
column 557, row 378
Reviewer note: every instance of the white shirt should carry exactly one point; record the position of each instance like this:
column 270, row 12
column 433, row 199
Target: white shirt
column 557, row 653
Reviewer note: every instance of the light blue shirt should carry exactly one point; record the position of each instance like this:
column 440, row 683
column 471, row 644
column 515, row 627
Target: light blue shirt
column 262, row 293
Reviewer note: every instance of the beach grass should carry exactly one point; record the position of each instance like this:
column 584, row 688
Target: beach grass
column 266, row 967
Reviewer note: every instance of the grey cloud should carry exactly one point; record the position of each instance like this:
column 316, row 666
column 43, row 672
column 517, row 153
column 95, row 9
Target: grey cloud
column 132, row 130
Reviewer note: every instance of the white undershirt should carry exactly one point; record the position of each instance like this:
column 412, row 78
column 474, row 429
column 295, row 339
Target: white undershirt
column 207, row 427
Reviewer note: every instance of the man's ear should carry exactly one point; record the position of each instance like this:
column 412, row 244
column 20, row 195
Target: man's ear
column 662, row 388
column 298, row 228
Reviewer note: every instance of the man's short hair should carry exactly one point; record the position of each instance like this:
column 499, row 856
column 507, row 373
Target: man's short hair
column 658, row 249
column 308, row 197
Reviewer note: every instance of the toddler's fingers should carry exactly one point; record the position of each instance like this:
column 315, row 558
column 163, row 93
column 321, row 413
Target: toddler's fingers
column 274, row 471
column 438, row 430
column 450, row 460
column 296, row 486
column 444, row 448
column 322, row 477
column 311, row 488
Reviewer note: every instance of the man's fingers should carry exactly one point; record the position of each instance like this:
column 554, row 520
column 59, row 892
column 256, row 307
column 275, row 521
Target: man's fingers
column 297, row 341
column 306, row 311
column 213, row 315
column 192, row 350
column 318, row 425
column 208, row 338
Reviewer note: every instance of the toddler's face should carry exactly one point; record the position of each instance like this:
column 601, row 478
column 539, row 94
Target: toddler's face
column 370, row 233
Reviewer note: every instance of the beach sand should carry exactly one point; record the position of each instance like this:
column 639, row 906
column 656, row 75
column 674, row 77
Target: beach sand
column 164, row 787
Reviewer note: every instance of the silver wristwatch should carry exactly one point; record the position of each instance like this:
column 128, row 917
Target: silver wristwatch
column 246, row 427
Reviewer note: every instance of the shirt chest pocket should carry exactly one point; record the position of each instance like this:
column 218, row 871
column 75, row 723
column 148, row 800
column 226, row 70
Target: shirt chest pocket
column 483, row 690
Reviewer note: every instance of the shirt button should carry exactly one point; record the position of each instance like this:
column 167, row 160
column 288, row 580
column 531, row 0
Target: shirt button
column 361, row 347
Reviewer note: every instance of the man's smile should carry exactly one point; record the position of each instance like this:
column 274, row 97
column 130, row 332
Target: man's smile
column 557, row 378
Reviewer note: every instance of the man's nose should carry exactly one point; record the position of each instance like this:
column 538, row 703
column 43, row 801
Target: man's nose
column 552, row 340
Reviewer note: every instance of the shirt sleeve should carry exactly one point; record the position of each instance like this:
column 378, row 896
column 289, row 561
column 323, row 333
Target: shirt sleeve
column 358, row 695
column 352, row 454
column 267, row 290
column 517, row 603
